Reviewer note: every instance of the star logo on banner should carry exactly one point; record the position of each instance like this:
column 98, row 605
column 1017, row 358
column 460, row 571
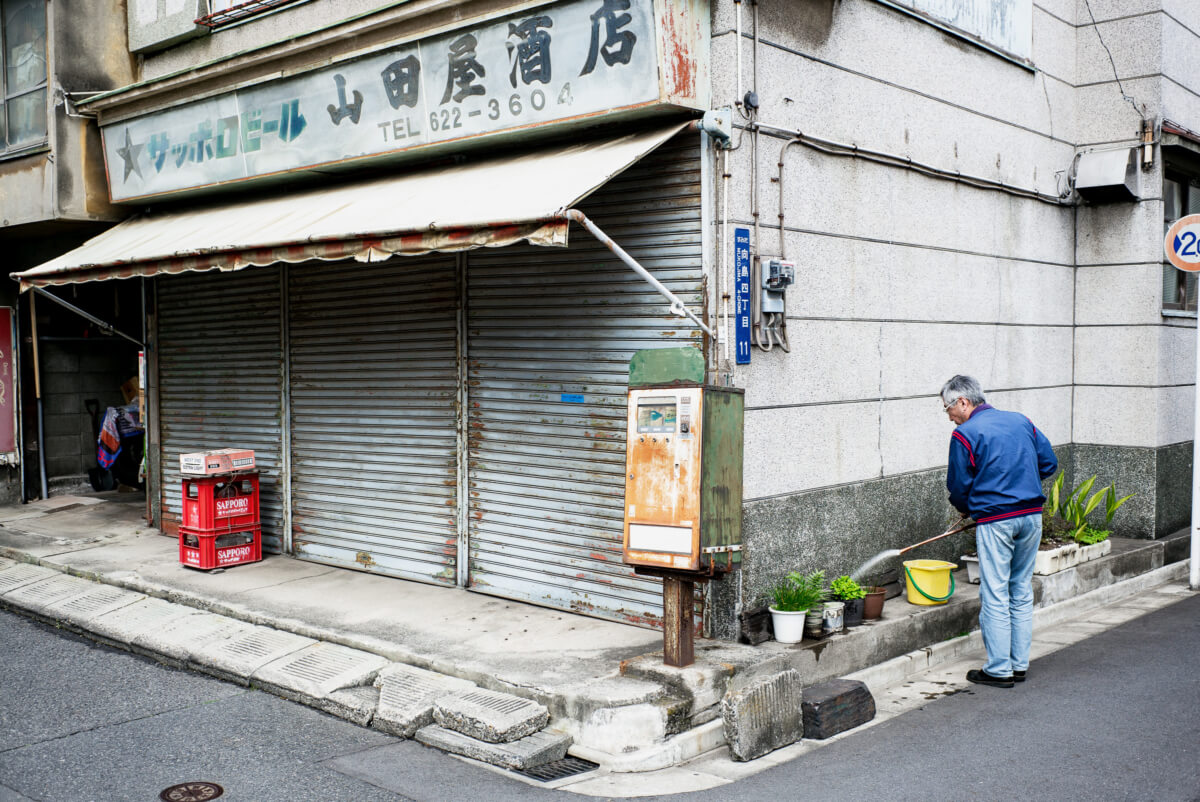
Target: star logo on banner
column 130, row 154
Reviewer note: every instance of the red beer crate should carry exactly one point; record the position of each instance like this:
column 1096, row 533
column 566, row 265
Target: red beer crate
column 214, row 504
column 207, row 550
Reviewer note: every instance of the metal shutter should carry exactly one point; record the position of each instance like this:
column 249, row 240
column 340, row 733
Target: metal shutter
column 220, row 374
column 550, row 335
column 373, row 379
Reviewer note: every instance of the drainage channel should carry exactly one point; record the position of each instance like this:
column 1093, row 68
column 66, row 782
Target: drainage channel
column 559, row 769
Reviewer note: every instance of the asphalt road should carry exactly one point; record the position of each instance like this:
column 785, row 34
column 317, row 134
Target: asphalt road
column 1114, row 717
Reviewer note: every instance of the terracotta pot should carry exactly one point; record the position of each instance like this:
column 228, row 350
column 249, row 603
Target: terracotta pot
column 854, row 612
column 873, row 603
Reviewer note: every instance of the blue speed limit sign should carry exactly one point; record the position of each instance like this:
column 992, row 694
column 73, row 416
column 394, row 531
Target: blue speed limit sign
column 1182, row 244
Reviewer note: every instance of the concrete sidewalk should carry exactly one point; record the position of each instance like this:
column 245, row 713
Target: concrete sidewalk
column 603, row 682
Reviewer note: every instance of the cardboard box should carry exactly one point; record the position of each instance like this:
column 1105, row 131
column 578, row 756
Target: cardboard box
column 225, row 460
column 131, row 389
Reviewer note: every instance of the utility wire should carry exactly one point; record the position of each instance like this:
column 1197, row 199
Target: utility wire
column 1096, row 27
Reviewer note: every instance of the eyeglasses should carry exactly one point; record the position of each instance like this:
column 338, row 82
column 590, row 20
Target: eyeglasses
column 946, row 407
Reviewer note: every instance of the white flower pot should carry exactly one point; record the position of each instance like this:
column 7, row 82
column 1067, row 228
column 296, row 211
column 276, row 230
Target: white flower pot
column 1052, row 561
column 788, row 626
column 972, row 564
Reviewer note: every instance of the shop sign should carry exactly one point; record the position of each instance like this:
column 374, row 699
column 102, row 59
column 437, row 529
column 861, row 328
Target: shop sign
column 549, row 64
column 741, row 294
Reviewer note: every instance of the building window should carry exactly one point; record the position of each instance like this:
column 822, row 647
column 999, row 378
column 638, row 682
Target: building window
column 1181, row 196
column 222, row 12
column 22, row 74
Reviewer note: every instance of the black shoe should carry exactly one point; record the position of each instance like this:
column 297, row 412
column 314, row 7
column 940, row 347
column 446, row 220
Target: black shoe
column 1018, row 676
column 981, row 677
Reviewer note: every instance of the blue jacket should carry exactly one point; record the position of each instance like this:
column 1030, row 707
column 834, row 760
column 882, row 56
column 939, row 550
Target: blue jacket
column 997, row 463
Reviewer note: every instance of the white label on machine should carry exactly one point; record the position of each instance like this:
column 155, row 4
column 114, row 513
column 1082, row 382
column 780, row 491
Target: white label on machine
column 670, row 539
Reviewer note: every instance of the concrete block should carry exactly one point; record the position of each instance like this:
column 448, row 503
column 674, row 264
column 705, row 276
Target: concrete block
column 357, row 704
column 490, row 716
column 240, row 656
column 17, row 575
column 763, row 715
column 62, row 404
column 1103, row 117
column 836, row 706
column 406, row 697
column 841, row 363
column 155, row 24
column 318, row 670
column 525, row 753
column 37, row 596
column 1135, row 42
column 96, row 600
column 824, row 445
column 1132, row 416
column 614, row 729
column 126, row 624
column 1120, row 294
column 915, row 356
column 179, row 638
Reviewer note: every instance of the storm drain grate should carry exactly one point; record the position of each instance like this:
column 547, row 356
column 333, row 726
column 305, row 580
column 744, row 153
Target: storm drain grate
column 559, row 769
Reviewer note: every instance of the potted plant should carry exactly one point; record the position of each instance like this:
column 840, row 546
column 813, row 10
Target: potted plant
column 873, row 602
column 794, row 596
column 1068, row 538
column 846, row 590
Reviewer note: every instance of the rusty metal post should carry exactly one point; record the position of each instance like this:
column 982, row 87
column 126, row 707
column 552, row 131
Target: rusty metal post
column 678, row 602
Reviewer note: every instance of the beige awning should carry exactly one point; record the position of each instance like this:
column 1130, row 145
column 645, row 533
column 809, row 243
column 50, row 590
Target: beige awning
column 490, row 203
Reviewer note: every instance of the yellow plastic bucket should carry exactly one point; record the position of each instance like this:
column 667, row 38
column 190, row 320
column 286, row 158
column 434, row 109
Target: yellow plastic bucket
column 929, row 581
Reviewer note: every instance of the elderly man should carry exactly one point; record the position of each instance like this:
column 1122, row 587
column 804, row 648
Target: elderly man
column 997, row 463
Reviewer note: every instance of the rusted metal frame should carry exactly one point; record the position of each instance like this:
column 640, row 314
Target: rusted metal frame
column 285, row 412
column 461, row 424
column 87, row 316
column 678, row 634
column 677, row 306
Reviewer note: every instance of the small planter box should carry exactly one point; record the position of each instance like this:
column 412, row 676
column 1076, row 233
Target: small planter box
column 1054, row 560
column 1050, row 561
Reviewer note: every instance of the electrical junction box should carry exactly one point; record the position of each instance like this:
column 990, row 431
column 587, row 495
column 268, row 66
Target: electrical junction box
column 777, row 276
column 683, row 477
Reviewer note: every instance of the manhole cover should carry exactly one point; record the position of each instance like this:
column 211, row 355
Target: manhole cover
column 191, row 792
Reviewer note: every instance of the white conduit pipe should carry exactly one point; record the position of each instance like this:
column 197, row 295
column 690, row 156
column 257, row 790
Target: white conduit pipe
column 677, row 306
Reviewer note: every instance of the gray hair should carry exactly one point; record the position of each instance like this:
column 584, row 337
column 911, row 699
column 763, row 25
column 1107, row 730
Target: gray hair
column 967, row 387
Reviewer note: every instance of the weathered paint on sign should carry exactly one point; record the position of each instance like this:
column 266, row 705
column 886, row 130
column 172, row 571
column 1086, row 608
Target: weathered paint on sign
column 554, row 63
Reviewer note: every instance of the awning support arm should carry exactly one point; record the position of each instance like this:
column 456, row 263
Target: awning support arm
column 677, row 306
column 103, row 326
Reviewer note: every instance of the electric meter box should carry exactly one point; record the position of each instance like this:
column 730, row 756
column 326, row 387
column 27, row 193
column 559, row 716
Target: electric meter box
column 683, row 473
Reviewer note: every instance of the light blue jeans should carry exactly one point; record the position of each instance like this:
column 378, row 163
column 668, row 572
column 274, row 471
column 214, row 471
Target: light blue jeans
column 1007, row 550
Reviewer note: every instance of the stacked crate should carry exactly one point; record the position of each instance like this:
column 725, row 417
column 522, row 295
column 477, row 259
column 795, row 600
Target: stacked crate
column 220, row 525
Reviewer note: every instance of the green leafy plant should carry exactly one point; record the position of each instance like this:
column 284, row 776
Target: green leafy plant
column 1112, row 503
column 1075, row 507
column 796, row 593
column 846, row 589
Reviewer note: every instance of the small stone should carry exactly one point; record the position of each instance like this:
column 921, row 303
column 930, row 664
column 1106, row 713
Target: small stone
column 490, row 716
column 836, row 706
column 763, row 715
column 520, row 755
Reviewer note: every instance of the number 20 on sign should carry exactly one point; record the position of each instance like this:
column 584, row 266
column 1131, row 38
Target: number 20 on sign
column 1182, row 244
